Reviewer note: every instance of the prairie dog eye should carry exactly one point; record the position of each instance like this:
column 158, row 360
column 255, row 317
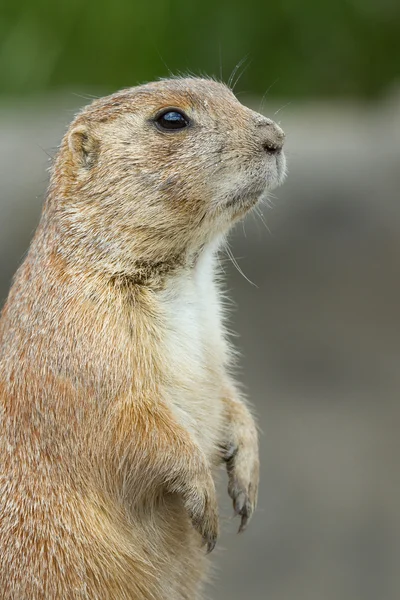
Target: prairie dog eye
column 172, row 119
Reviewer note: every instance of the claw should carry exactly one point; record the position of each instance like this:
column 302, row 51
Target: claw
column 211, row 544
column 240, row 453
column 242, row 496
column 210, row 541
column 243, row 507
column 243, row 524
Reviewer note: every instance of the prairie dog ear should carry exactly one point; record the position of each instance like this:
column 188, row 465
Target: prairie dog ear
column 84, row 146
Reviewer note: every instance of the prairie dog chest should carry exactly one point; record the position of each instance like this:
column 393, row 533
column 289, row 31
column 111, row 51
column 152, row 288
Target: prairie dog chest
column 195, row 350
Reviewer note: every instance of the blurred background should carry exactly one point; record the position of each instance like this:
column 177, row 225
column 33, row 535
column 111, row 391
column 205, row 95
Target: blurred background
column 319, row 324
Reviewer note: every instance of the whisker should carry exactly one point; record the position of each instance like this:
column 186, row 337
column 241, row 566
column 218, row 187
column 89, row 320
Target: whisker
column 163, row 62
column 235, row 264
column 282, row 107
column 45, row 151
column 242, row 93
column 243, row 71
column 262, row 219
column 85, row 96
column 235, row 70
column 265, row 95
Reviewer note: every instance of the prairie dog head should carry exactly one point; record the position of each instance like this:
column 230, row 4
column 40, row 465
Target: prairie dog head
column 157, row 171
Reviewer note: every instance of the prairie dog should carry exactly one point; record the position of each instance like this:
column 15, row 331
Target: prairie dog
column 117, row 401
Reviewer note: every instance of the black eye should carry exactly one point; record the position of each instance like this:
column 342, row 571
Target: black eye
column 172, row 120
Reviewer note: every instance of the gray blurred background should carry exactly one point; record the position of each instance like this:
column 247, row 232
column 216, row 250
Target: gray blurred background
column 319, row 324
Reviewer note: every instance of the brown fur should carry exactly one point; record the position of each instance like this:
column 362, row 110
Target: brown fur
column 109, row 430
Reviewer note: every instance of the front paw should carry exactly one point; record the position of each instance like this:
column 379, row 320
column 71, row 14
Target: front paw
column 243, row 472
column 200, row 501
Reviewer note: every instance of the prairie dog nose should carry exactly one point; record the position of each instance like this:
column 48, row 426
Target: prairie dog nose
column 272, row 136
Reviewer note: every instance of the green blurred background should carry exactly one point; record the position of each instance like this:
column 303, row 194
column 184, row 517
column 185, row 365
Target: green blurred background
column 309, row 48
column 320, row 329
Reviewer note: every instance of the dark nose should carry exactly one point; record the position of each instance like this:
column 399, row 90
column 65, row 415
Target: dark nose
column 272, row 136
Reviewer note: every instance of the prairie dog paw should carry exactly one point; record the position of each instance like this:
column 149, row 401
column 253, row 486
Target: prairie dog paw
column 243, row 472
column 201, row 504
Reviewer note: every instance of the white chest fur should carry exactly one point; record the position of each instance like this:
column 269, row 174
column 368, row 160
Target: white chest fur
column 195, row 351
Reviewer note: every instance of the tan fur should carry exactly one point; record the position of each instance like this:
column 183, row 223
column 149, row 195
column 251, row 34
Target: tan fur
column 116, row 402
